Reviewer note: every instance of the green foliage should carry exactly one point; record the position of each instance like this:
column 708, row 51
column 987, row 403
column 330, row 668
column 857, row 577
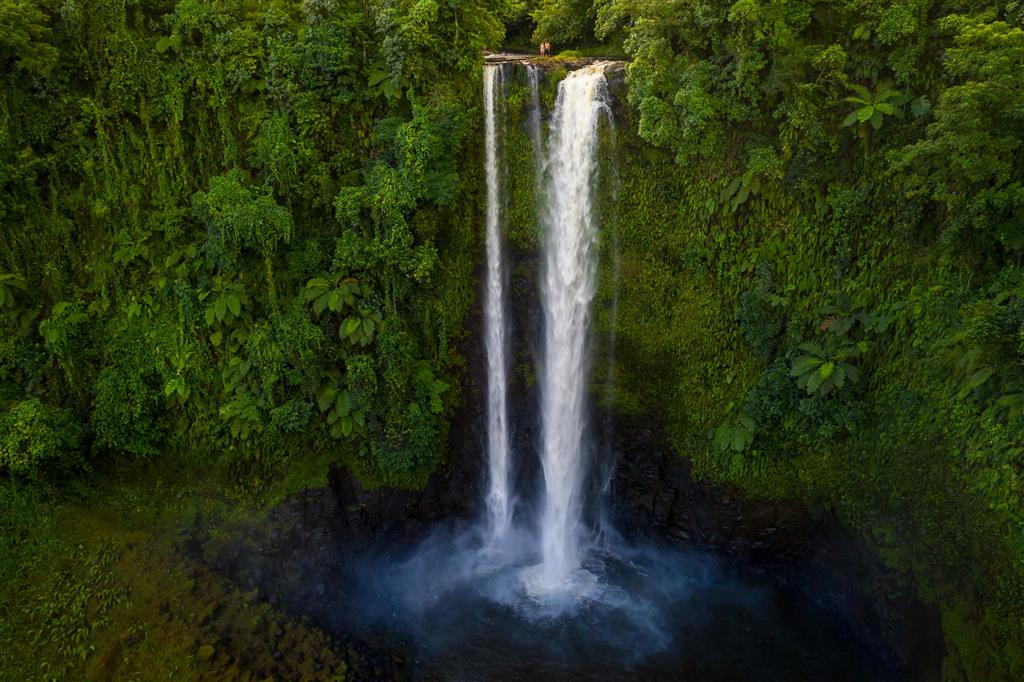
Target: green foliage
column 126, row 412
column 8, row 284
column 76, row 603
column 735, row 437
column 759, row 314
column 26, row 532
column 969, row 160
column 426, row 43
column 24, row 40
column 820, row 372
column 237, row 217
column 872, row 107
column 824, row 368
column 238, row 234
column 563, row 21
column 35, row 437
column 236, row 201
column 762, row 168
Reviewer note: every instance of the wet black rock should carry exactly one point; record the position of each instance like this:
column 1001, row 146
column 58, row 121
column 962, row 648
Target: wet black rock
column 656, row 498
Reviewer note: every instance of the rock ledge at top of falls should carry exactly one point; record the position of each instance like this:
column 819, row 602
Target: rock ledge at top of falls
column 553, row 62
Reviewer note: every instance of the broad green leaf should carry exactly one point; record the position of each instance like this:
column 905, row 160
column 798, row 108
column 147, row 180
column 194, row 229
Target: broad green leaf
column 344, row 402
column 325, row 397
column 171, row 386
column 741, row 198
column 350, row 327
column 722, row 437
column 979, row 378
column 731, row 188
column 804, row 365
column 814, row 381
column 812, row 349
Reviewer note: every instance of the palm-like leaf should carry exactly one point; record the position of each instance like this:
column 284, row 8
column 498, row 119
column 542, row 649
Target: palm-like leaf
column 872, row 107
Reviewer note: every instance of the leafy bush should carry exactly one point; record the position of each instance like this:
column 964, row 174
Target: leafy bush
column 760, row 314
column 189, row 168
column 126, row 412
column 36, row 438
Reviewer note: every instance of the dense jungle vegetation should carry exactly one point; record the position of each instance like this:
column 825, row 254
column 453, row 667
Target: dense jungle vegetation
column 239, row 240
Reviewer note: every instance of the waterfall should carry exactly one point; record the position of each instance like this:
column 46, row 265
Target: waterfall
column 499, row 498
column 569, row 282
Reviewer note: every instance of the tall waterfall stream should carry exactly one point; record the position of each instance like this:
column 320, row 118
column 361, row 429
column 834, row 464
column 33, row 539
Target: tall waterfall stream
column 569, row 279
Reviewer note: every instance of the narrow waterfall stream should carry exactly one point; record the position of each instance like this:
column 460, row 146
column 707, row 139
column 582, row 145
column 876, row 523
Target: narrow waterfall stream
column 499, row 498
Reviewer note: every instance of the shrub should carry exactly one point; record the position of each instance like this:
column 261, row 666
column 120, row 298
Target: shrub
column 35, row 436
column 126, row 412
column 760, row 314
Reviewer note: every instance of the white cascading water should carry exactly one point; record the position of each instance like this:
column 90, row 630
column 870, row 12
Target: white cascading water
column 569, row 282
column 499, row 498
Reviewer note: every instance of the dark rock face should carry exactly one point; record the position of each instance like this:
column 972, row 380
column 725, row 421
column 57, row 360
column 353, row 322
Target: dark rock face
column 386, row 515
column 656, row 498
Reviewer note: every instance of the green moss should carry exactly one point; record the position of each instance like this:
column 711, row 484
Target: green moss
column 99, row 590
